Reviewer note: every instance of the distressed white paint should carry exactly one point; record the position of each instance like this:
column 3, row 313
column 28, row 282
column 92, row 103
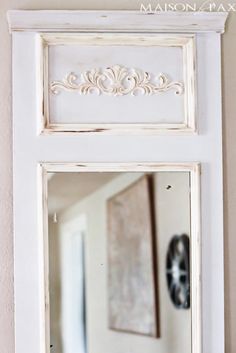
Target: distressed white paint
column 116, row 21
column 30, row 150
column 67, row 59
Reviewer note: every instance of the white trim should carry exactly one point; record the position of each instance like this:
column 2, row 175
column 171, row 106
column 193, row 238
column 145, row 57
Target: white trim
column 54, row 167
column 116, row 21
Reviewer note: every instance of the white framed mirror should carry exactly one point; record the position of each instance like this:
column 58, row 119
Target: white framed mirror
column 99, row 157
column 122, row 257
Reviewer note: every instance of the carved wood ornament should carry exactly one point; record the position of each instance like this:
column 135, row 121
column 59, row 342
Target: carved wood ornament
column 117, row 81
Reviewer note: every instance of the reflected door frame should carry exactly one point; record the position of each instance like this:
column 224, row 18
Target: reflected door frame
column 72, row 254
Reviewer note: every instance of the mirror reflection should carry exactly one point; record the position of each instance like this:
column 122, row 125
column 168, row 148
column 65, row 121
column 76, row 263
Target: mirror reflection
column 119, row 266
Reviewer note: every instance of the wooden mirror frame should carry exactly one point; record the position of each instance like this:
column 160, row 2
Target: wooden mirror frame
column 35, row 154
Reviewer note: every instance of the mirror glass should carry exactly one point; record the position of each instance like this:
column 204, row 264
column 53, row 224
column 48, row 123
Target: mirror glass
column 119, row 266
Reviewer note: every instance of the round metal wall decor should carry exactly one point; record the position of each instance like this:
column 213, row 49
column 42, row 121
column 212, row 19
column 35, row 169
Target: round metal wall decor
column 178, row 271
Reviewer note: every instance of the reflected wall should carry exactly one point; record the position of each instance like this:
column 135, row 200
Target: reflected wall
column 79, row 265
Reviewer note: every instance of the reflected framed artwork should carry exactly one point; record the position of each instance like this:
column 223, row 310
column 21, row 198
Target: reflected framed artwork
column 132, row 268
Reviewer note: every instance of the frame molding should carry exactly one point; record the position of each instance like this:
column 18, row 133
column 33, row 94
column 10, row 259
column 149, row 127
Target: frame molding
column 195, row 238
column 186, row 42
column 116, row 21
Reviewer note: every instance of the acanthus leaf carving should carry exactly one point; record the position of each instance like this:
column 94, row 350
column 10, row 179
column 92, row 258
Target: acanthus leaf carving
column 117, row 81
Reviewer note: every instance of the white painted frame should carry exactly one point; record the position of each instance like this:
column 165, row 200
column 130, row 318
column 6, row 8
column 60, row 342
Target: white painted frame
column 31, row 151
column 185, row 41
column 116, row 21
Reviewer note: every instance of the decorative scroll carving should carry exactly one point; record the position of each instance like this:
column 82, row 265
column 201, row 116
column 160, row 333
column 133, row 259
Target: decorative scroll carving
column 116, row 81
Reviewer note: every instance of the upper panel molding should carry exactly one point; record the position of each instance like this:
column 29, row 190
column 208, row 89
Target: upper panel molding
column 116, row 21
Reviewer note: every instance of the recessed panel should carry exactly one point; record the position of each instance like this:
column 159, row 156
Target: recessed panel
column 118, row 81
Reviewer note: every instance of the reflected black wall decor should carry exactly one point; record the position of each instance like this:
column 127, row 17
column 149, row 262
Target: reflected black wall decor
column 178, row 271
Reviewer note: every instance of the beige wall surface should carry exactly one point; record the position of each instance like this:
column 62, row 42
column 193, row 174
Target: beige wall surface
column 229, row 125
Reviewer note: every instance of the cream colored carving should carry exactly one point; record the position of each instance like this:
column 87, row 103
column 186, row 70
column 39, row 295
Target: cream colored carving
column 116, row 81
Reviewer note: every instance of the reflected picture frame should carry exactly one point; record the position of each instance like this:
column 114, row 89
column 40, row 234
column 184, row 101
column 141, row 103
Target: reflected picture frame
column 125, row 237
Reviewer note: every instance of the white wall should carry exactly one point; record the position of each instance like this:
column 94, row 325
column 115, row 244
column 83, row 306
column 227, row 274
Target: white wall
column 172, row 212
